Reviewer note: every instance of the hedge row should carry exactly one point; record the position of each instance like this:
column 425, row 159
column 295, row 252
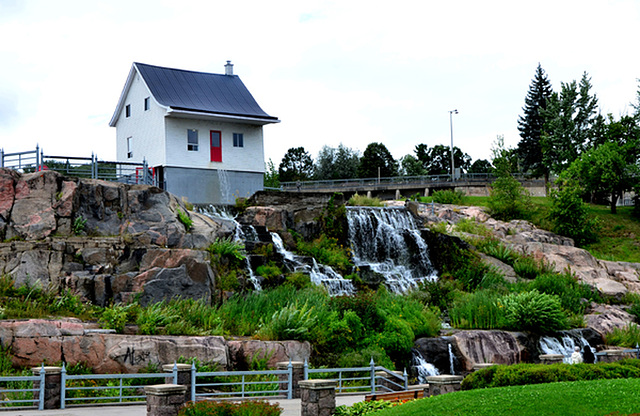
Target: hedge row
column 522, row 374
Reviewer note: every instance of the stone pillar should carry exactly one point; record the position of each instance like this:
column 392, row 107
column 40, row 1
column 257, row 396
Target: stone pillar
column 164, row 399
column 318, row 397
column 184, row 377
column 298, row 376
column 398, row 194
column 390, row 382
column 444, row 384
column 52, row 386
column 551, row 358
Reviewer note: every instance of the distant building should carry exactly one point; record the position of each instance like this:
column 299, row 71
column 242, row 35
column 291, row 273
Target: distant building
column 201, row 133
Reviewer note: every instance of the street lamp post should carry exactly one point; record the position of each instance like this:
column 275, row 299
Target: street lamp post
column 453, row 168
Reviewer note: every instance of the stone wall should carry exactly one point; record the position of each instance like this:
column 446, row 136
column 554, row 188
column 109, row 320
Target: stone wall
column 38, row 341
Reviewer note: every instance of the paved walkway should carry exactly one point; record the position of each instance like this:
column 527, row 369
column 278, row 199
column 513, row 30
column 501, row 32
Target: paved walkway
column 291, row 408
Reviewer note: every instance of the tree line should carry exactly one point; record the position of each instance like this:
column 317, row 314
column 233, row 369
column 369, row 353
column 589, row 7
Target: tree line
column 562, row 133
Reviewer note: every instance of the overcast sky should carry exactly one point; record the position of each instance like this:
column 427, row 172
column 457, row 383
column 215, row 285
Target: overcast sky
column 351, row 72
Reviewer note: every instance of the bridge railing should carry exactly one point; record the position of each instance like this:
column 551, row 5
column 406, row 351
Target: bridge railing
column 427, row 180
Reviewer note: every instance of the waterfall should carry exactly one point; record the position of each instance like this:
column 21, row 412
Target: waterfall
column 563, row 346
column 225, row 187
column 241, row 234
column 451, row 359
column 423, row 368
column 320, row 274
column 388, row 241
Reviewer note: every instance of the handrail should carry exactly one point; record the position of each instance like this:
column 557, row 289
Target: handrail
column 37, row 400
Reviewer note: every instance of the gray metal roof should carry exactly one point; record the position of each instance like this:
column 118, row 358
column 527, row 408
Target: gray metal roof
column 201, row 92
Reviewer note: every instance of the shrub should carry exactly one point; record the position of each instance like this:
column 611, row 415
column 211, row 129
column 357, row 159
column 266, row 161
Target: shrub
column 362, row 408
column 509, row 199
column 527, row 267
column 222, row 408
column 78, row 226
column 569, row 214
column 363, row 201
column 326, row 250
column 567, row 288
column 495, row 248
column 533, row 311
column 524, row 374
column 448, row 196
column 268, row 271
column 116, row 316
column 298, row 280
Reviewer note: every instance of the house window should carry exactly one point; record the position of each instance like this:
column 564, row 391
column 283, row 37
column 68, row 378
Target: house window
column 238, row 140
column 127, row 110
column 129, row 151
column 146, row 104
column 192, row 140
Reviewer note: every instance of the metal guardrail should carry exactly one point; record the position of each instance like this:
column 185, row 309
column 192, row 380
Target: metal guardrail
column 12, row 396
column 243, row 388
column 82, row 167
column 121, row 389
column 365, row 378
column 431, row 180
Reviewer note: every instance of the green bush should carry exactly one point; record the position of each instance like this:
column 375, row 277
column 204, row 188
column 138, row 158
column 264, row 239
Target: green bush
column 326, row 250
column 567, row 288
column 528, row 268
column 472, row 226
column 362, row 408
column 227, row 248
column 569, row 214
column 533, row 311
column 524, row 374
column 495, row 248
column 116, row 316
column 448, row 196
column 222, row 408
column 509, row 200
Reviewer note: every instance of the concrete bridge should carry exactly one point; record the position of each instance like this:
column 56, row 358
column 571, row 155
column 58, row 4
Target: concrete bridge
column 407, row 186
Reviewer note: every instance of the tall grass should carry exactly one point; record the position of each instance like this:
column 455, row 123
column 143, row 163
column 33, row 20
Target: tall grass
column 477, row 310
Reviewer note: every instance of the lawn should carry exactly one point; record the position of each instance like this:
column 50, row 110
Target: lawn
column 584, row 398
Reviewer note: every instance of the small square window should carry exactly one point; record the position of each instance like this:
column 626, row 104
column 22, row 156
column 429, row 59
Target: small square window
column 146, row 104
column 129, row 148
column 192, row 140
column 127, row 110
column 238, row 140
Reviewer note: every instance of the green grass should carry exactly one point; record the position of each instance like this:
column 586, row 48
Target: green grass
column 580, row 398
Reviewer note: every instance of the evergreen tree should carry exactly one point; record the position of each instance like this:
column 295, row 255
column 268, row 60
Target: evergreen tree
column 636, row 105
column 531, row 125
column 559, row 146
column 377, row 160
column 586, row 115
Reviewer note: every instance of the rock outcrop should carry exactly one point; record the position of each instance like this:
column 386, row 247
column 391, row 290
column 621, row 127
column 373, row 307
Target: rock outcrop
column 107, row 241
column 38, row 341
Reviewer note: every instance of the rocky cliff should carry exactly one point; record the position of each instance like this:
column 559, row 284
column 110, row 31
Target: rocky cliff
column 105, row 240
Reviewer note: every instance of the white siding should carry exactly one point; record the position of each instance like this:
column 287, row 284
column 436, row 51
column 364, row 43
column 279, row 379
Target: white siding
column 249, row 158
column 146, row 128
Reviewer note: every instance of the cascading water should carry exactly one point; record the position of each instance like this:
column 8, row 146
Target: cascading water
column 423, row 368
column 320, row 274
column 387, row 241
column 241, row 234
column 563, row 346
column 451, row 361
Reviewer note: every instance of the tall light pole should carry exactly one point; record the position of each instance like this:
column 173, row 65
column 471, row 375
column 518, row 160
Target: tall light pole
column 453, row 168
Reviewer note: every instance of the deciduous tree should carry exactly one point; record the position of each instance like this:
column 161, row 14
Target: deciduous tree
column 375, row 160
column 296, row 165
column 336, row 163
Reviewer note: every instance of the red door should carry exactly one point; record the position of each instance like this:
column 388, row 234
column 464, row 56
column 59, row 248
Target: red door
column 216, row 146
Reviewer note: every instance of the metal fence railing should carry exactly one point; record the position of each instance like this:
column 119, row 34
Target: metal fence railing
column 23, row 391
column 361, row 379
column 241, row 384
column 82, row 167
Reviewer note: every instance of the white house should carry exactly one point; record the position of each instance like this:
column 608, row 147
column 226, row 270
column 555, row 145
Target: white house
column 200, row 132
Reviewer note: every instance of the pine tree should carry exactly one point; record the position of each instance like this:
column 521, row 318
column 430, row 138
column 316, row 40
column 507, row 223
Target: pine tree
column 531, row 125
